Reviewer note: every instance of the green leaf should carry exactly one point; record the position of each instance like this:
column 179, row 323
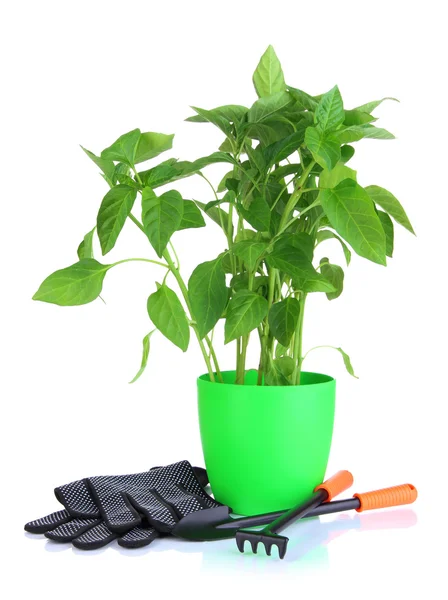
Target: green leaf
column 249, row 251
column 256, row 157
column 106, row 166
column 246, row 234
column 231, row 112
column 145, row 355
column 258, row 214
column 268, row 77
column 295, row 264
column 327, row 234
column 161, row 216
column 330, row 111
column 352, row 214
column 114, row 210
column 283, row 318
column 308, row 102
column 286, row 365
column 124, row 149
column 245, row 312
column 159, row 175
column 187, row 168
column 285, row 170
column 168, row 315
column 330, row 179
column 126, row 180
column 369, row 106
column 347, row 362
column 281, row 350
column 229, row 198
column 267, row 106
column 301, row 241
column 357, row 117
column 266, row 133
column 216, row 214
column 335, row 275
column 214, row 117
column 390, row 204
column 222, row 186
column 358, row 132
column 208, row 294
column 324, row 147
column 152, row 144
column 274, row 375
column 192, row 217
column 226, row 146
column 280, row 150
column 346, row 153
column 216, row 157
column 85, row 248
column 388, row 227
column 78, row 284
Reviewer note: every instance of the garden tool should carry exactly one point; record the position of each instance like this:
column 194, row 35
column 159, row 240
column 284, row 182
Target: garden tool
column 324, row 492
column 404, row 494
column 218, row 524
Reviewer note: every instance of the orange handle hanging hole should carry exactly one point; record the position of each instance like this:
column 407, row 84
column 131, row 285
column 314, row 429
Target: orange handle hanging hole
column 336, row 484
column 393, row 496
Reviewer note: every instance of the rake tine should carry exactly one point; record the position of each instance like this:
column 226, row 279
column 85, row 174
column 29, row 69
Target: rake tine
column 282, row 548
column 240, row 543
column 254, row 545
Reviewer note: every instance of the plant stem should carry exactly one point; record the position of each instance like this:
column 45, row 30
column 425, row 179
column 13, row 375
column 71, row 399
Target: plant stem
column 295, row 196
column 215, row 359
column 175, row 256
column 316, row 348
column 154, row 262
column 241, row 368
column 264, row 334
column 183, row 289
column 297, row 350
column 137, row 222
column 137, row 176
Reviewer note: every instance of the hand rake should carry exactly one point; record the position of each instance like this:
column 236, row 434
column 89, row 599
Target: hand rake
column 269, row 535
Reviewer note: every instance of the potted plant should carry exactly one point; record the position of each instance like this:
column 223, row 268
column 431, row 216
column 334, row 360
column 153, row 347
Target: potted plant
column 266, row 432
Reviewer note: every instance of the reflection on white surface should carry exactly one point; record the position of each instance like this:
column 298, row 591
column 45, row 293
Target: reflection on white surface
column 307, row 548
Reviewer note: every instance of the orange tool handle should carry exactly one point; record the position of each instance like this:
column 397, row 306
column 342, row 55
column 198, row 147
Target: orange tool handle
column 393, row 496
column 341, row 481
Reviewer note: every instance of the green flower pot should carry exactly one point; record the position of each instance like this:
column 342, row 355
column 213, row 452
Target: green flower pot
column 265, row 448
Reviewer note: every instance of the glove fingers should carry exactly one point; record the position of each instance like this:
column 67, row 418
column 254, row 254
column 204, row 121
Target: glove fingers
column 138, row 537
column 96, row 537
column 159, row 513
column 70, row 530
column 115, row 508
column 49, row 522
column 184, row 502
column 77, row 499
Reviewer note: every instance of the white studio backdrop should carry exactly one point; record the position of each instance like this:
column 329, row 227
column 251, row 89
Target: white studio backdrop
column 86, row 72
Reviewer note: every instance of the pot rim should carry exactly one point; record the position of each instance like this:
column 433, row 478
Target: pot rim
column 322, row 379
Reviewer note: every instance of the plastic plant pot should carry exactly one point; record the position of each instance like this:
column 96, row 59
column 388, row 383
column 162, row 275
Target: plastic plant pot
column 265, row 448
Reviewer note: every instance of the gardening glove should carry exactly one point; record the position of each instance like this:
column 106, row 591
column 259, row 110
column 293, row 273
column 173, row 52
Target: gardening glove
column 81, row 522
column 162, row 495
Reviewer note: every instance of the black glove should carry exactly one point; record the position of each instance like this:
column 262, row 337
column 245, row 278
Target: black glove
column 81, row 522
column 162, row 495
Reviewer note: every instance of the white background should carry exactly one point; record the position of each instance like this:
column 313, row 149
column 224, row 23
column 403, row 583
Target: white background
column 86, row 72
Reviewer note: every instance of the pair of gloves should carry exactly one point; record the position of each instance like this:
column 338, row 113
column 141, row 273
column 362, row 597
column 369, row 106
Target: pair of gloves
column 133, row 509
